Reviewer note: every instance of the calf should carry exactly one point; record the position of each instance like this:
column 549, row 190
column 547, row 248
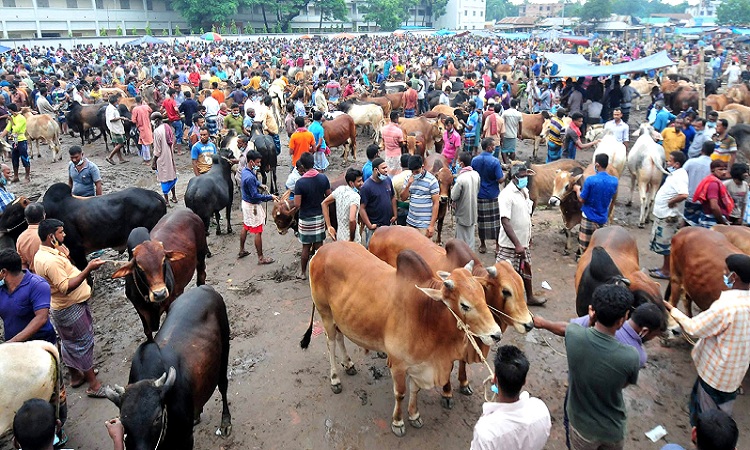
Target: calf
column 646, row 166
column 82, row 118
column 43, row 127
column 175, row 375
column 282, row 214
column 162, row 264
column 533, row 124
column 340, row 131
column 13, row 222
column 211, row 192
column 697, row 267
column 542, row 178
column 431, row 130
column 102, row 222
column 437, row 165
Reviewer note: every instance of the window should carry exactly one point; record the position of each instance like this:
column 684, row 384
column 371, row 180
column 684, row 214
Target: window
column 149, row 5
column 481, row 13
column 99, row 3
column 9, row 3
column 72, row 3
column 168, row 6
column 475, row 13
column 124, row 4
column 43, row 4
column 466, row 13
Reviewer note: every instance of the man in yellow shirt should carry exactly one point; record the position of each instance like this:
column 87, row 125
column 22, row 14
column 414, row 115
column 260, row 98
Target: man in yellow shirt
column 255, row 81
column 69, row 305
column 17, row 128
column 674, row 138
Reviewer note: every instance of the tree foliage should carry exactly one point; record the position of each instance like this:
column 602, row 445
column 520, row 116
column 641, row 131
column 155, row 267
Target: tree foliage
column 644, row 8
column 206, row 12
column 332, row 10
column 596, row 10
column 733, row 12
column 500, row 9
column 387, row 14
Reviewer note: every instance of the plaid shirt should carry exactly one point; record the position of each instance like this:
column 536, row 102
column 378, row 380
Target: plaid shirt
column 722, row 354
column 6, row 198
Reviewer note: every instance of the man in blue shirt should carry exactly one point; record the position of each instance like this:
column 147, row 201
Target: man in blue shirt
column 488, row 210
column 663, row 117
column 595, row 197
column 471, row 128
column 371, row 152
column 253, row 214
column 24, row 302
column 377, row 207
column 316, row 128
column 84, row 178
column 202, row 153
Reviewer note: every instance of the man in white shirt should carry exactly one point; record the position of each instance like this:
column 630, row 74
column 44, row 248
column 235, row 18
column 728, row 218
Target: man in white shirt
column 667, row 207
column 444, row 96
column 212, row 111
column 733, row 74
column 697, row 169
column 116, row 128
column 514, row 420
column 619, row 128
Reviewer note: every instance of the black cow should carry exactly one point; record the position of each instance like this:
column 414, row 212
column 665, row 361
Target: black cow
column 211, row 192
column 741, row 134
column 712, row 86
column 131, row 131
column 601, row 270
column 175, row 375
column 433, row 98
column 268, row 158
column 102, row 222
column 82, row 118
column 13, row 222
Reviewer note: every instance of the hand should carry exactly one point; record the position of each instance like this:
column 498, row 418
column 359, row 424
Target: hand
column 521, row 251
column 332, row 232
column 95, row 264
column 393, row 220
column 577, row 188
column 538, row 321
column 372, row 226
column 668, row 306
column 115, row 429
column 430, row 231
column 596, row 142
column 276, row 198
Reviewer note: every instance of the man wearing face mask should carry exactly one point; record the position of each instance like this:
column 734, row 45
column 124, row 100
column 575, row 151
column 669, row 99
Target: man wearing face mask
column 84, row 178
column 515, row 234
column 722, row 353
column 377, row 206
column 423, row 193
column 253, row 214
column 673, row 138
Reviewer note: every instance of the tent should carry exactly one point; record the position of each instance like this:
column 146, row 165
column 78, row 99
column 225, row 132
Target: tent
column 655, row 61
column 145, row 40
column 514, row 36
column 4, row 49
column 444, row 32
column 571, row 59
column 577, row 40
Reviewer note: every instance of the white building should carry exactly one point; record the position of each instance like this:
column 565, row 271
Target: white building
column 22, row 19
column 705, row 8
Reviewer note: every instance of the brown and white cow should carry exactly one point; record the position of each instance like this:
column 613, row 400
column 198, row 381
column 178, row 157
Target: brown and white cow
column 646, row 167
column 430, row 129
column 542, row 178
column 42, row 127
column 391, row 318
column 503, row 291
column 717, row 102
column 532, row 127
column 697, row 264
column 365, row 114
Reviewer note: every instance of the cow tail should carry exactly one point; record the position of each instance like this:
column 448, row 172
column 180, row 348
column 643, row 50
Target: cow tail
column 305, row 342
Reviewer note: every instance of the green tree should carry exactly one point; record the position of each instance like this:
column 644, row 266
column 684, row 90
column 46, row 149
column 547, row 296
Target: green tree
column 201, row 31
column 134, row 32
column 387, row 14
column 119, row 30
column 177, row 30
column 733, row 12
column 331, row 10
column 223, row 28
column 103, row 32
column 203, row 13
column 148, row 29
column 213, row 28
column 435, row 9
column 249, row 28
column 164, row 32
column 595, row 10
column 233, row 27
column 286, row 10
column 499, row 9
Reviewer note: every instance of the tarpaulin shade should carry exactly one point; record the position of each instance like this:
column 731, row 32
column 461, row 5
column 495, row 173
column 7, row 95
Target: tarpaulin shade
column 656, row 61
column 514, row 36
column 570, row 59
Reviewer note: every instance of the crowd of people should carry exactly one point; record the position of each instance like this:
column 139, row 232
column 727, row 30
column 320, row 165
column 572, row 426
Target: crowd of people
column 43, row 296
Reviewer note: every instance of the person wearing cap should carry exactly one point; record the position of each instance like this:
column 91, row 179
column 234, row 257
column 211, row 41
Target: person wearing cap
column 163, row 160
column 515, row 234
column 16, row 127
column 722, row 353
column 663, row 117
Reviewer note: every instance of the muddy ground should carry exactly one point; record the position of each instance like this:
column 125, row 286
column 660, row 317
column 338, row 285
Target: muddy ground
column 280, row 396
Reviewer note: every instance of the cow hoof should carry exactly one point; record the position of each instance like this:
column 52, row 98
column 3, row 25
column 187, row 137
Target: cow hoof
column 416, row 423
column 229, row 231
column 629, row 204
column 224, row 430
column 351, row 370
column 336, row 388
column 446, row 403
column 398, row 430
column 466, row 390
column 640, row 225
column 218, row 232
column 209, row 254
column 565, row 253
column 382, row 355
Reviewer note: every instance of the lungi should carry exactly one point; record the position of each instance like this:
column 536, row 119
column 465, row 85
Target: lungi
column 584, row 235
column 253, row 217
column 312, row 230
column 74, row 325
column 488, row 218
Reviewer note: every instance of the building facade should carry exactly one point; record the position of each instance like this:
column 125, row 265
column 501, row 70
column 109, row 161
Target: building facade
column 540, row 10
column 21, row 19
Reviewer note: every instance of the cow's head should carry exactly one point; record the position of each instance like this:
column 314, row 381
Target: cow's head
column 647, row 129
column 594, row 132
column 143, row 411
column 563, row 184
column 283, row 217
column 445, row 181
column 151, row 270
column 463, row 293
column 505, row 293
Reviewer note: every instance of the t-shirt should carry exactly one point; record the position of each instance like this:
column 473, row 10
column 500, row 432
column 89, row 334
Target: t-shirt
column 556, row 127
column 203, row 154
column 117, row 126
column 17, row 309
column 392, row 135
column 512, row 118
column 597, row 194
column 300, row 142
column 725, row 148
column 318, row 134
column 490, row 172
column 313, row 191
column 376, row 198
column 345, row 197
column 626, row 335
column 697, row 169
column 83, row 181
column 675, row 184
column 421, row 191
column 738, row 194
column 621, row 131
column 515, row 205
column 599, row 367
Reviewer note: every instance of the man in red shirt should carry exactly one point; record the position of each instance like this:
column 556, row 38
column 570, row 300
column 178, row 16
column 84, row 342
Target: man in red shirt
column 410, row 102
column 173, row 116
column 194, row 77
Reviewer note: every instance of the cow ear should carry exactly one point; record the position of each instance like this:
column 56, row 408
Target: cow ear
column 175, row 256
column 577, row 178
column 124, row 271
column 443, row 275
column 113, row 395
column 434, row 294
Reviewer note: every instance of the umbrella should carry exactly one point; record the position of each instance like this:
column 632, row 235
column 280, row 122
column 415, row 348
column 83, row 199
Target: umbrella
column 145, row 40
column 214, row 37
column 4, row 49
column 344, row 36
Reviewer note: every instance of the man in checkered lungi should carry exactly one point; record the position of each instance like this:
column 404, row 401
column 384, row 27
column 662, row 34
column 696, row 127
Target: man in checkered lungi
column 490, row 177
column 595, row 196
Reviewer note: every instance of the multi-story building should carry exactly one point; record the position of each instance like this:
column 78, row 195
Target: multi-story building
column 540, row 10
column 75, row 18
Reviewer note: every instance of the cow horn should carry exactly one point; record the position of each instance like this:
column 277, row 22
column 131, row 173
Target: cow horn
column 161, row 380
column 469, row 265
column 449, row 284
column 119, row 389
column 492, row 271
column 443, row 275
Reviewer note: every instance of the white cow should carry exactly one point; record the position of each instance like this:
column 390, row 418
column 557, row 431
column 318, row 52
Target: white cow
column 646, row 166
column 42, row 127
column 616, row 151
column 643, row 86
column 365, row 114
column 27, row 370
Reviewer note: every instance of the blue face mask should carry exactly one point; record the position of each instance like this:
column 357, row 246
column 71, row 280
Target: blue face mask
column 523, row 182
column 728, row 283
column 382, row 177
column 670, row 169
column 355, row 190
column 2, row 282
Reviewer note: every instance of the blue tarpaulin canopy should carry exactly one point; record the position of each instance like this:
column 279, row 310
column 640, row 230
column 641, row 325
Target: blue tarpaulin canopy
column 742, row 31
column 656, row 61
column 690, row 30
column 444, row 32
column 4, row 49
column 145, row 40
column 569, row 59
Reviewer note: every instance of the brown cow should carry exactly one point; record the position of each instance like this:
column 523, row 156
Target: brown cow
column 542, row 178
column 448, row 111
column 717, row 102
column 732, row 117
column 396, row 99
column 739, row 93
column 339, row 131
column 739, row 236
column 430, row 129
column 416, row 144
column 162, row 264
column 612, row 256
column 437, row 165
column 697, row 264
column 743, row 110
column 503, row 291
column 411, row 316
column 532, row 127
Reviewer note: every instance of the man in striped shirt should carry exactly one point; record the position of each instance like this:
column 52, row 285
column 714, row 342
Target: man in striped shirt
column 722, row 354
column 555, row 136
column 423, row 194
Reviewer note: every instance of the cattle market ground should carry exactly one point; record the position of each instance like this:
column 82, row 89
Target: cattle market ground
column 279, row 394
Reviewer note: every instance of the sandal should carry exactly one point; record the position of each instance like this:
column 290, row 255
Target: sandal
column 124, row 161
column 99, row 393
column 482, row 250
column 658, row 274
column 242, row 254
column 173, row 200
column 109, row 161
column 263, row 261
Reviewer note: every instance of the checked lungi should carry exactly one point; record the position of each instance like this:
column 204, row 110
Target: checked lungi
column 488, row 218
column 587, row 230
column 312, row 230
column 74, row 325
